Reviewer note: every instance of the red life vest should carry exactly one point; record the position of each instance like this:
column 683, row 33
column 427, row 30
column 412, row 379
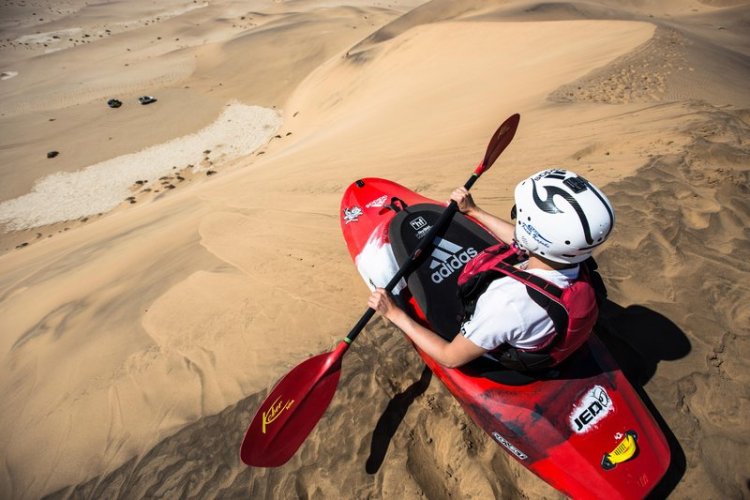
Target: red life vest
column 573, row 310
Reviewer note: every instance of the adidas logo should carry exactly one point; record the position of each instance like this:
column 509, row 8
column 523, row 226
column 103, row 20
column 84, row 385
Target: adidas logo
column 447, row 258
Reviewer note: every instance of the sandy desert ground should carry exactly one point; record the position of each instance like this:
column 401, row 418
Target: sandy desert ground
column 175, row 259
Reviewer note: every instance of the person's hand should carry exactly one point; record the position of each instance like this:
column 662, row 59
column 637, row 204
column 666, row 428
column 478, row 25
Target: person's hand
column 463, row 199
column 381, row 301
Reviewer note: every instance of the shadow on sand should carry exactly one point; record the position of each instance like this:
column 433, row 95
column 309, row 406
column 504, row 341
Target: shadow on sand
column 391, row 418
column 639, row 338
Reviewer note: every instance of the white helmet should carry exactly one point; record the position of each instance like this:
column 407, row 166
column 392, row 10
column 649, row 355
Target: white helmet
column 561, row 216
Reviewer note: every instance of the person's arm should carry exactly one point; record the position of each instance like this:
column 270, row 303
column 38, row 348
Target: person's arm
column 503, row 229
column 449, row 354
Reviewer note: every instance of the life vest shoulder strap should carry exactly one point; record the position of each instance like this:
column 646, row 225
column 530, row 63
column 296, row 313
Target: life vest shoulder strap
column 477, row 275
column 546, row 295
column 539, row 284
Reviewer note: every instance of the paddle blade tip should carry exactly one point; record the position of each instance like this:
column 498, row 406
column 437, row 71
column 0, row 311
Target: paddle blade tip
column 291, row 411
column 500, row 140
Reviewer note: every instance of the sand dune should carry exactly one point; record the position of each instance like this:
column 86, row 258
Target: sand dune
column 137, row 345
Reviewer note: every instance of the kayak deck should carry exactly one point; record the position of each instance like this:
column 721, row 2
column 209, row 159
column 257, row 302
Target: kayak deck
column 582, row 427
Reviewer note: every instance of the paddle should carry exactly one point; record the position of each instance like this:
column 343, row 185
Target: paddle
column 300, row 398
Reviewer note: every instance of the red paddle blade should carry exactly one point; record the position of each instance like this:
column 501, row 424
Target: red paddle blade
column 291, row 410
column 500, row 140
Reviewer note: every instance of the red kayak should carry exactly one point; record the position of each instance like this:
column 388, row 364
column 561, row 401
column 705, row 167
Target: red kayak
column 580, row 427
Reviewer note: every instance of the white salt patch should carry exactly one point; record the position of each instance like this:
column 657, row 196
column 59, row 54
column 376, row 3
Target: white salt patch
column 239, row 131
column 48, row 37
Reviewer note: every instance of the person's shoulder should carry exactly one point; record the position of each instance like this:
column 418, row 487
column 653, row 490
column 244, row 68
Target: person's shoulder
column 505, row 292
column 560, row 277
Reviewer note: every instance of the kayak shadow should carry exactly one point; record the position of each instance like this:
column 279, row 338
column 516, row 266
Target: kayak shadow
column 638, row 338
column 391, row 418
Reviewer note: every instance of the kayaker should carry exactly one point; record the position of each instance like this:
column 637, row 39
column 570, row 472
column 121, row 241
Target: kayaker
column 559, row 219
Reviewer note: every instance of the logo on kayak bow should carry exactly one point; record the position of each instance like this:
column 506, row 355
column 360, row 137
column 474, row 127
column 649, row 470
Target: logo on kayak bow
column 593, row 407
column 274, row 412
column 352, row 214
column 378, row 202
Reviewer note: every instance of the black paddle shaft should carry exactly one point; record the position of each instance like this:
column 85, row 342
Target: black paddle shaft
column 500, row 140
column 408, row 266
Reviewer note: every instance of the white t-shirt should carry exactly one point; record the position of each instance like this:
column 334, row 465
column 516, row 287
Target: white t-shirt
column 505, row 314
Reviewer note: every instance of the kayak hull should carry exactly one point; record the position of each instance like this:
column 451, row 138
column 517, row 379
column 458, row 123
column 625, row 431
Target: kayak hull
column 584, row 431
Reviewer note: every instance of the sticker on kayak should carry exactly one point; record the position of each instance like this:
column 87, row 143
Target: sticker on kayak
column 624, row 451
column 352, row 214
column 378, row 202
column 591, row 409
column 518, row 453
